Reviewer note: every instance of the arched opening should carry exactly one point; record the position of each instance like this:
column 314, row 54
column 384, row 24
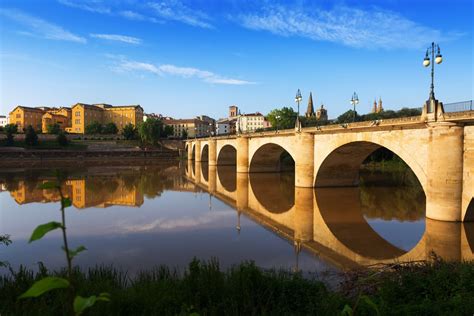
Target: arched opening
column 371, row 200
column 272, row 158
column 274, row 191
column 227, row 156
column 205, row 153
column 469, row 217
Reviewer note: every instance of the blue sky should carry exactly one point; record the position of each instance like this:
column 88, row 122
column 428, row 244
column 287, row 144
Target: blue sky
column 185, row 58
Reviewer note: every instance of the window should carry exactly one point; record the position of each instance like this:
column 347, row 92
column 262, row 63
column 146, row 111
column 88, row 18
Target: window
column 18, row 115
column 78, row 121
column 78, row 113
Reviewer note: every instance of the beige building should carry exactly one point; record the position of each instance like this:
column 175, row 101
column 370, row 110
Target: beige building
column 61, row 116
column 85, row 114
column 193, row 127
column 250, row 122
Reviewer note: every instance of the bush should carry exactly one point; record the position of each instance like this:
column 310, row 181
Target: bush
column 31, row 138
column 129, row 131
column 110, row 128
column 62, row 139
column 53, row 128
column 94, row 128
column 10, row 129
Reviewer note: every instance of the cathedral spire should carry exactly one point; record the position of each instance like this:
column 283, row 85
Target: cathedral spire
column 380, row 108
column 310, row 109
column 374, row 108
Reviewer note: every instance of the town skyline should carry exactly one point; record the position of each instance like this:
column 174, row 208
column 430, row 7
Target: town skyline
column 188, row 58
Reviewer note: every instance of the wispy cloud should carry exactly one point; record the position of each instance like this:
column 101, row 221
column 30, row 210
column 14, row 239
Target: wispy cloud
column 124, row 65
column 135, row 16
column 350, row 26
column 87, row 5
column 174, row 10
column 118, row 38
column 41, row 28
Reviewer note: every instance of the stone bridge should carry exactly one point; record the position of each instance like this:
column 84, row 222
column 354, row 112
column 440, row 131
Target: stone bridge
column 439, row 148
column 328, row 222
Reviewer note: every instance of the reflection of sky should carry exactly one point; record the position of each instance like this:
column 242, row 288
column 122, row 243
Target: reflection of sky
column 402, row 234
column 170, row 229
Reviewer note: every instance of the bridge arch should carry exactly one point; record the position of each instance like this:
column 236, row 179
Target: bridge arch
column 205, row 152
column 193, row 152
column 227, row 156
column 271, row 157
column 340, row 164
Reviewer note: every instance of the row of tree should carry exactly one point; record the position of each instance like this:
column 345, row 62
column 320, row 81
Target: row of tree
column 31, row 137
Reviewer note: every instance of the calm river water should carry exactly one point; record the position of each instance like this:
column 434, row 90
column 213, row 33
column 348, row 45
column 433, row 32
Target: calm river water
column 142, row 216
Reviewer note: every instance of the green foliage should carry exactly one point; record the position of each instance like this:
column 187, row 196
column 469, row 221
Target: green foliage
column 168, row 131
column 150, row 131
column 42, row 230
column 82, row 303
column 45, row 285
column 53, row 128
column 184, row 134
column 75, row 252
column 31, row 138
column 94, row 128
column 10, row 130
column 348, row 117
column 5, row 240
column 129, row 131
column 110, row 128
column 62, row 139
column 283, row 118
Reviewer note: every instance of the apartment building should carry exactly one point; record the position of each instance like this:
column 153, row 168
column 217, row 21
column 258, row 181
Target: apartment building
column 193, row 127
column 24, row 116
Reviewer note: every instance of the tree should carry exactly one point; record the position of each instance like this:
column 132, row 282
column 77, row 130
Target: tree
column 150, row 131
column 168, row 131
column 10, row 129
column 31, row 138
column 62, row 139
column 110, row 128
column 129, row 131
column 184, row 134
column 53, row 128
column 94, row 128
column 283, row 118
column 348, row 117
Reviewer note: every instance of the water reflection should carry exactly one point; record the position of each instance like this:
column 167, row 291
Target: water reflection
column 243, row 217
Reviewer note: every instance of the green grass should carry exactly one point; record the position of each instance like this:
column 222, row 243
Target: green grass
column 436, row 288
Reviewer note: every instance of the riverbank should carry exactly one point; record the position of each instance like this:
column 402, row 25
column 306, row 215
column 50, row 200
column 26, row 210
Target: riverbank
column 424, row 288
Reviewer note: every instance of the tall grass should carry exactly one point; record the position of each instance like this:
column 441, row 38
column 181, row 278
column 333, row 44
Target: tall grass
column 427, row 288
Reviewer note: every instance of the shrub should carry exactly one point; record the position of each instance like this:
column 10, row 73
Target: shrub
column 53, row 128
column 110, row 128
column 129, row 131
column 94, row 128
column 10, row 129
column 62, row 139
column 31, row 138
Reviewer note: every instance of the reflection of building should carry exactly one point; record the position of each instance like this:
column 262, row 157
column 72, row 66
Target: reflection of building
column 90, row 192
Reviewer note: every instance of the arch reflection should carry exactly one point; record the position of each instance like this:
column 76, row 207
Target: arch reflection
column 227, row 177
column 274, row 191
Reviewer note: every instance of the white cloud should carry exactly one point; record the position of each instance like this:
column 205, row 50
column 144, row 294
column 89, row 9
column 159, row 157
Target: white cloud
column 118, row 38
column 349, row 26
column 124, row 65
column 87, row 5
column 174, row 10
column 41, row 28
column 135, row 16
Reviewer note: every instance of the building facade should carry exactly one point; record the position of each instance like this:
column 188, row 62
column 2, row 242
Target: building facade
column 86, row 114
column 4, row 120
column 61, row 117
column 223, row 127
column 190, row 127
column 247, row 123
column 24, row 116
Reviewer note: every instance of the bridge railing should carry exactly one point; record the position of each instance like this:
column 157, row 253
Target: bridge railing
column 463, row 106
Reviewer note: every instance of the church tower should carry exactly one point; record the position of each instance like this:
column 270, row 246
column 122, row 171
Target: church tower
column 374, row 108
column 380, row 108
column 310, row 109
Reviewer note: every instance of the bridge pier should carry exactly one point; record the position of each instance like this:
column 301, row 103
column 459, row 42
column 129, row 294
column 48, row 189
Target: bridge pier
column 197, row 150
column 190, row 151
column 303, row 218
column 304, row 160
column 445, row 172
column 212, row 152
column 242, row 154
column 242, row 201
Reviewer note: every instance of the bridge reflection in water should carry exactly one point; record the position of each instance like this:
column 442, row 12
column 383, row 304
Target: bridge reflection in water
column 334, row 223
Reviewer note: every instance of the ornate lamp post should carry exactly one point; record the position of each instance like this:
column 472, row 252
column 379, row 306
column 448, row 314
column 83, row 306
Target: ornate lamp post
column 298, row 99
column 277, row 120
column 426, row 62
column 354, row 102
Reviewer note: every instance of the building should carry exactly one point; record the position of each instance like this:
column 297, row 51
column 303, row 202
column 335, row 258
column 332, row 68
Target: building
column 4, row 120
column 61, row 117
column 310, row 108
column 223, row 127
column 233, row 111
column 322, row 113
column 190, row 127
column 250, row 122
column 85, row 114
column 379, row 108
column 24, row 116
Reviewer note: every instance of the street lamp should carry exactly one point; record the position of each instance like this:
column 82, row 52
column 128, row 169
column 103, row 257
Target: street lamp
column 195, row 132
column 298, row 99
column 354, row 102
column 276, row 122
column 426, row 62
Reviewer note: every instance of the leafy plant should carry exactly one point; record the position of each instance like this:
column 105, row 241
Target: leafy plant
column 94, row 128
column 62, row 139
column 78, row 303
column 31, row 138
column 110, row 128
column 129, row 131
column 4, row 239
column 10, row 129
column 53, row 128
